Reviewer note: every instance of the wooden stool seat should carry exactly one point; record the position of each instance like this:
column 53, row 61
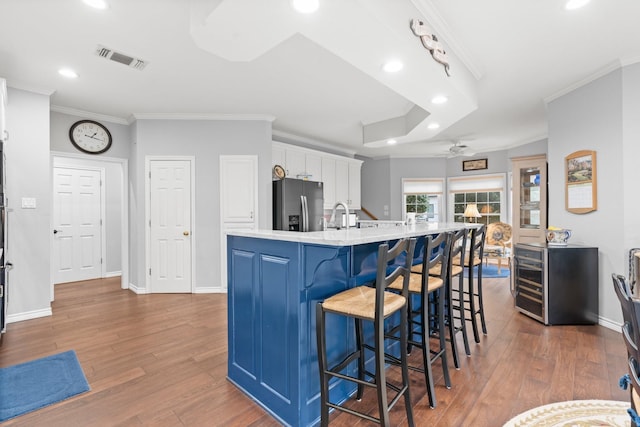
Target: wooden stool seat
column 415, row 283
column 360, row 302
column 433, row 271
column 476, row 260
column 437, row 270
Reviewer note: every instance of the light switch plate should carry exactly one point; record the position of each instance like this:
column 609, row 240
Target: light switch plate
column 28, row 203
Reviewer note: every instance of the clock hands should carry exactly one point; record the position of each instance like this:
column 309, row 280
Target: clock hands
column 94, row 136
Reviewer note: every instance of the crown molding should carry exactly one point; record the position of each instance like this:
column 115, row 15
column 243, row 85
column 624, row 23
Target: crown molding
column 290, row 138
column 629, row 60
column 202, row 116
column 89, row 115
column 599, row 73
column 444, row 33
column 30, row 88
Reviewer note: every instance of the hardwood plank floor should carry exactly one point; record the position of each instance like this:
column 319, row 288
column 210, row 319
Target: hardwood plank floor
column 160, row 360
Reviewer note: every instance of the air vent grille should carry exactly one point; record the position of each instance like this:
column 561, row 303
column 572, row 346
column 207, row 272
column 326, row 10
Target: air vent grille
column 121, row 58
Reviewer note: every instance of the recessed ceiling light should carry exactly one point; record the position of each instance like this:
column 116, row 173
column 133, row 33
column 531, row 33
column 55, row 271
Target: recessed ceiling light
column 305, row 6
column 575, row 4
column 392, row 141
column 68, row 73
column 440, row 99
column 392, row 66
column 433, row 126
column 98, row 4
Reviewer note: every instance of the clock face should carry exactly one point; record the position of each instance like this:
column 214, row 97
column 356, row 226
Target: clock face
column 90, row 137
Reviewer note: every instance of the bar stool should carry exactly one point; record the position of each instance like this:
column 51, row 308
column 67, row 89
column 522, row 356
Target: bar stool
column 455, row 312
column 453, row 309
column 430, row 291
column 374, row 305
column 471, row 299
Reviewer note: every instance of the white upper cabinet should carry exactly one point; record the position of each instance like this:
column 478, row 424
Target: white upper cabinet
column 354, row 184
column 278, row 156
column 3, row 108
column 313, row 163
column 340, row 175
column 342, row 182
column 302, row 164
column 329, row 181
column 295, row 163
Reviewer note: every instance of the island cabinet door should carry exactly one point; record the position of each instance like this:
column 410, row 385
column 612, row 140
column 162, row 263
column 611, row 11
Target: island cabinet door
column 263, row 314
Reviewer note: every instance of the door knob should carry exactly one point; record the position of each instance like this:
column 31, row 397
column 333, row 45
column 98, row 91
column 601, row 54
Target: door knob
column 56, row 231
column 186, row 233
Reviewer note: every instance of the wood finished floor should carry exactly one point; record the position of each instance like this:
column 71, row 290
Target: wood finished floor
column 161, row 360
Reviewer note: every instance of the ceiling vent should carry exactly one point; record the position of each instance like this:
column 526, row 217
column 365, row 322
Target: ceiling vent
column 122, row 58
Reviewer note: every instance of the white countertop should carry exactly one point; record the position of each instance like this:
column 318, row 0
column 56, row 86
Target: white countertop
column 352, row 236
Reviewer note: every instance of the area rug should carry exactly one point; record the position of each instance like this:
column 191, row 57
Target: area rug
column 39, row 383
column 576, row 413
column 490, row 271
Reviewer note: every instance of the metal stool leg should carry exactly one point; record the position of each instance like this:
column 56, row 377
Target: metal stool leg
column 322, row 361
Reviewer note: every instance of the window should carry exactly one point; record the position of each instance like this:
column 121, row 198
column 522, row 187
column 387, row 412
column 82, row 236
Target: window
column 425, row 206
column 486, row 191
column 424, row 198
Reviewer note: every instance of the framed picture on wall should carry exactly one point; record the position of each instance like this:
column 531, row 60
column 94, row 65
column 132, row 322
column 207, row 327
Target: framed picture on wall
column 474, row 165
column 581, row 189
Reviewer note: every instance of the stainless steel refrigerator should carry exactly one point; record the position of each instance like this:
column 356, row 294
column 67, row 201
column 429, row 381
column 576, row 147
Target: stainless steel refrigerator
column 298, row 205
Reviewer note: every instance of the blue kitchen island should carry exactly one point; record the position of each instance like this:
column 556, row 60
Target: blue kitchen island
column 275, row 279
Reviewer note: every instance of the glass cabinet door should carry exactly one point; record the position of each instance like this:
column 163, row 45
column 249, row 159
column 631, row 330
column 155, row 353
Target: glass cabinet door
column 529, row 197
column 529, row 202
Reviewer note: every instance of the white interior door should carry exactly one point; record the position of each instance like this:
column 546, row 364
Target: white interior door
column 77, row 224
column 238, row 201
column 170, row 226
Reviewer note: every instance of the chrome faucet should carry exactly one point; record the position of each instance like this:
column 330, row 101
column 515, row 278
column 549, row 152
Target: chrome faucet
column 332, row 220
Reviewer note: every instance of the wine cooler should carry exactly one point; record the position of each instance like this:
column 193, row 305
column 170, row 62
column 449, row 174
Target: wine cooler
column 556, row 285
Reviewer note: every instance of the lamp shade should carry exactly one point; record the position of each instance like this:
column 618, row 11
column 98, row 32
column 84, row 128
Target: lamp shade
column 471, row 211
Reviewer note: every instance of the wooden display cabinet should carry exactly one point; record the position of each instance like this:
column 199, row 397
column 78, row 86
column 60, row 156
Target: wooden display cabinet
column 529, row 199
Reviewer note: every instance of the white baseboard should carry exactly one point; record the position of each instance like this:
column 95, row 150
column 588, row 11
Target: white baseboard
column 137, row 290
column 209, row 290
column 610, row 324
column 28, row 315
column 112, row 274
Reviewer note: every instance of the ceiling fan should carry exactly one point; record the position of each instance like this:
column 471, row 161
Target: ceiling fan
column 459, row 149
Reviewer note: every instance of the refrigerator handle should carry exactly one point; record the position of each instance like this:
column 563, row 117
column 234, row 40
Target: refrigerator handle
column 305, row 214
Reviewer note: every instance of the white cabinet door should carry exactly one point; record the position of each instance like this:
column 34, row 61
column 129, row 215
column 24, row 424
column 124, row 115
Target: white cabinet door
column 295, row 163
column 329, row 180
column 313, row 167
column 278, row 157
column 238, row 201
column 237, row 188
column 354, row 185
column 342, row 181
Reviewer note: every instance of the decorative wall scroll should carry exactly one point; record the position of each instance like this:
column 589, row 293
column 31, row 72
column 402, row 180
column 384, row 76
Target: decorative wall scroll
column 581, row 186
column 431, row 43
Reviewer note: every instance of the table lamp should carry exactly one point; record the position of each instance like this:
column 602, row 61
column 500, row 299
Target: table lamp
column 471, row 211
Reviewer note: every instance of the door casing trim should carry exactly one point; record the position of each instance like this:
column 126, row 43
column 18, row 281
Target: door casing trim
column 58, row 156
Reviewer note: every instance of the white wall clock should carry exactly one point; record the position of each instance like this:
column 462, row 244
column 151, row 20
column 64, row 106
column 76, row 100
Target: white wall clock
column 90, row 137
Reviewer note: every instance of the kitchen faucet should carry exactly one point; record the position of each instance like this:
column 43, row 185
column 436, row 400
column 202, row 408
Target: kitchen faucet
column 332, row 220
